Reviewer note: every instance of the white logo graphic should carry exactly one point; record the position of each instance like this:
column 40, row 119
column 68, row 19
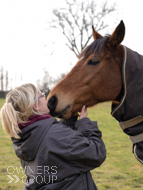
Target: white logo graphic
column 38, row 174
column 11, row 178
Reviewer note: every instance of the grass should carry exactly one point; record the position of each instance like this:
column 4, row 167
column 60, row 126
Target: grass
column 120, row 171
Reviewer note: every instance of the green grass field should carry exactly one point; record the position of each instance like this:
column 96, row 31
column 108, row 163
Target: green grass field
column 120, row 171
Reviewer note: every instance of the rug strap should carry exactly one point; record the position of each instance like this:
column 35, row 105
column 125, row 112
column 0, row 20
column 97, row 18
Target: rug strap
column 137, row 138
column 131, row 122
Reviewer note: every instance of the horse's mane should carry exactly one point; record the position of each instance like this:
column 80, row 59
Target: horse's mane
column 95, row 47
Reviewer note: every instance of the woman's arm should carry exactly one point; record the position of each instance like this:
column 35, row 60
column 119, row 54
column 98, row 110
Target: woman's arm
column 86, row 149
column 83, row 147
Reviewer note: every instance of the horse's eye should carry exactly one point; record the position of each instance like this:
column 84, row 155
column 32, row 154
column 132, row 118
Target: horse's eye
column 93, row 62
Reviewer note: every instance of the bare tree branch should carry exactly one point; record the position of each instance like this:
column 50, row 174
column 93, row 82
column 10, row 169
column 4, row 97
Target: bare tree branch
column 75, row 21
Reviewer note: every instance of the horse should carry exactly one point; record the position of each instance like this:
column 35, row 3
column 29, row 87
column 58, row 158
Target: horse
column 106, row 71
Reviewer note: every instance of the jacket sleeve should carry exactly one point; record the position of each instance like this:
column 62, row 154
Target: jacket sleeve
column 83, row 148
column 86, row 149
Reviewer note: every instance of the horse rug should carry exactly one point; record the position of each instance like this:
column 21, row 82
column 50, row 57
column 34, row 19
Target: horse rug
column 129, row 111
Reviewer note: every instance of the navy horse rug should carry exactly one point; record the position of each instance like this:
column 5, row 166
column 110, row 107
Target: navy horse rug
column 129, row 112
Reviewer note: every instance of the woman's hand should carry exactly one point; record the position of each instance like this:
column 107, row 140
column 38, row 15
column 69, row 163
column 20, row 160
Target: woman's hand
column 83, row 113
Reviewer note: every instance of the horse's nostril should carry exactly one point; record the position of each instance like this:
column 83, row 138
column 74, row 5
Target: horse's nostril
column 52, row 102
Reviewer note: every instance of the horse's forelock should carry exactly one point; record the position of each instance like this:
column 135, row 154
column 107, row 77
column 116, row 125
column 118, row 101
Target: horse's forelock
column 95, row 47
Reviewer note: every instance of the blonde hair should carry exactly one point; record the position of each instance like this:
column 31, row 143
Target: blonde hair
column 18, row 108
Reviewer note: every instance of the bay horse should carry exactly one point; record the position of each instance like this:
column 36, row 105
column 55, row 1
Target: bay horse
column 105, row 71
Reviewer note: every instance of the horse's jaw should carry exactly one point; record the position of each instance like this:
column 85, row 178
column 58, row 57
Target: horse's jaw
column 64, row 104
column 65, row 113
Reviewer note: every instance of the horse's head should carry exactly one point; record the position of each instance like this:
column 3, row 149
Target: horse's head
column 95, row 78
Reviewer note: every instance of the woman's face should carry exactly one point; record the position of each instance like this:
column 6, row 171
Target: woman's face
column 42, row 104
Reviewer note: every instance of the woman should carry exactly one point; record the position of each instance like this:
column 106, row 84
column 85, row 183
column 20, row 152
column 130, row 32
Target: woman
column 54, row 156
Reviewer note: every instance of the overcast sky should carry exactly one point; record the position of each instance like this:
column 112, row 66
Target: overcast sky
column 26, row 43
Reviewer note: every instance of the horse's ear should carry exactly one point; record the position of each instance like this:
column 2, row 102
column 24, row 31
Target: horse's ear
column 95, row 34
column 118, row 35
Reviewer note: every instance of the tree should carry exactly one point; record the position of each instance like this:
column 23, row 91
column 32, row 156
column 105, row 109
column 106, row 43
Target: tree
column 2, row 79
column 75, row 21
column 44, row 85
column 47, row 83
column 6, row 80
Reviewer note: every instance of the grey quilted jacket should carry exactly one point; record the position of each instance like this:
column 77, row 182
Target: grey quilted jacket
column 56, row 157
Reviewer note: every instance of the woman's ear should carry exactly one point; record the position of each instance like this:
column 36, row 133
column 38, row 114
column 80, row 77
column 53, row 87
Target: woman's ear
column 35, row 107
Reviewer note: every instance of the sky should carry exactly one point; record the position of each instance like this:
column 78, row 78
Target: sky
column 26, row 43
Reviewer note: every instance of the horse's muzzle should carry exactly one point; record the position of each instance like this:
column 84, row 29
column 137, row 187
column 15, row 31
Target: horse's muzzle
column 52, row 103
